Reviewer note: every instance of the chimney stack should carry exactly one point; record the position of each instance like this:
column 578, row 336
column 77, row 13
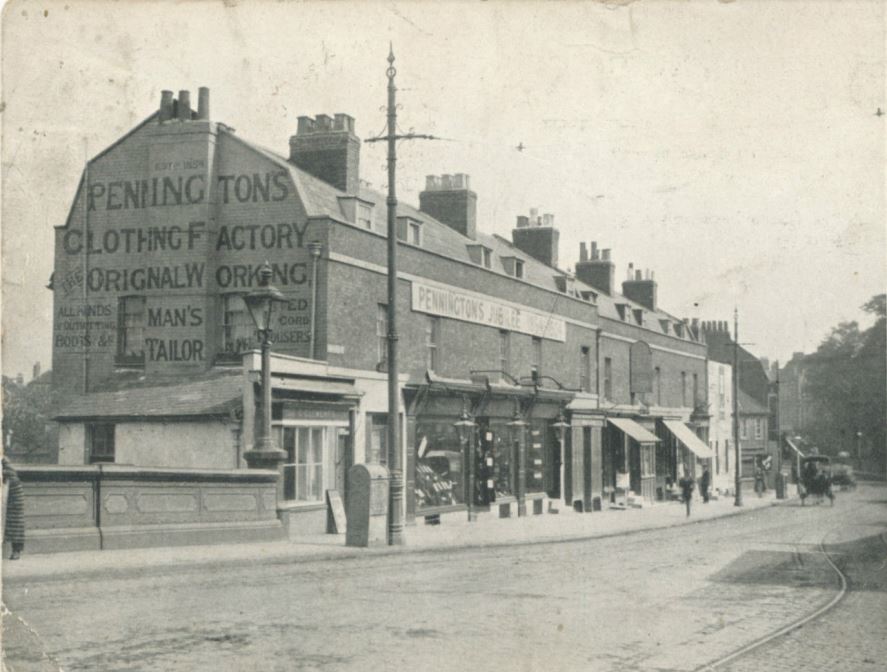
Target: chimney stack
column 183, row 106
column 449, row 199
column 327, row 148
column 203, row 103
column 640, row 289
column 539, row 239
column 166, row 105
column 598, row 271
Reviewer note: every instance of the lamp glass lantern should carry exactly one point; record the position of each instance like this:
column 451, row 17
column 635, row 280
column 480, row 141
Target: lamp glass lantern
column 260, row 302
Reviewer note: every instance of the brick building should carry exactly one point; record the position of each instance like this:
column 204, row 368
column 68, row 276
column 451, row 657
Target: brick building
column 154, row 356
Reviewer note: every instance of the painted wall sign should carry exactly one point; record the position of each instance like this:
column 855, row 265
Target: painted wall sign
column 165, row 191
column 461, row 304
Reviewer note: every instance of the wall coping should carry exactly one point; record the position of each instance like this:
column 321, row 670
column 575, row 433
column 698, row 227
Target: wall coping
column 36, row 473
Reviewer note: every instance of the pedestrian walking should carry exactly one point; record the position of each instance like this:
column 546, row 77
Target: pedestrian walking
column 14, row 530
column 759, row 480
column 687, row 484
column 705, row 484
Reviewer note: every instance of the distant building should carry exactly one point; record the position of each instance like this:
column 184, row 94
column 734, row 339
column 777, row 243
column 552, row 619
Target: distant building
column 756, row 399
column 793, row 402
column 720, row 432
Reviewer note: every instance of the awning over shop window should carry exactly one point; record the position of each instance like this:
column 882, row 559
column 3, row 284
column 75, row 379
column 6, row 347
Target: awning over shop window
column 634, row 430
column 794, row 447
column 333, row 388
column 686, row 436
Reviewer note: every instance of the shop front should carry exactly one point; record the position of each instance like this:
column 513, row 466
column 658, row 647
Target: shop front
column 480, row 448
column 629, row 460
column 691, row 451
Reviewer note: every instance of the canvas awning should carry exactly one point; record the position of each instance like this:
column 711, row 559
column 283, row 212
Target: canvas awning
column 634, row 430
column 794, row 447
column 687, row 437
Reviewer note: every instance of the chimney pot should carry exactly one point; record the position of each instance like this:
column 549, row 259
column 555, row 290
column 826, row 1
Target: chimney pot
column 446, row 182
column 203, row 103
column 306, row 125
column 605, row 255
column 184, row 105
column 638, row 275
column 522, row 221
column 583, row 251
column 166, row 105
column 324, row 122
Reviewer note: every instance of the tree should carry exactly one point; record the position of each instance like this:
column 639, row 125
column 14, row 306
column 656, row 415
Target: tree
column 847, row 385
column 27, row 432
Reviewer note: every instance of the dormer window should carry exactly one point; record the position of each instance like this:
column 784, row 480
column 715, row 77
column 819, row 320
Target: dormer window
column 679, row 329
column 409, row 230
column 365, row 216
column 480, row 255
column 623, row 311
column 664, row 324
column 638, row 315
column 513, row 266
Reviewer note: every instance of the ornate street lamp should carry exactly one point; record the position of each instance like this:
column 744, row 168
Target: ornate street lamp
column 465, row 426
column 560, row 426
column 517, row 425
column 260, row 303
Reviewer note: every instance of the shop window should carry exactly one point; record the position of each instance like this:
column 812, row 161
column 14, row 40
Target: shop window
column 504, row 351
column 100, row 442
column 432, row 343
column 608, row 378
column 377, row 438
column 131, row 330
column 498, row 447
column 303, row 467
column 381, row 333
column 439, row 465
column 585, row 369
column 238, row 329
column 536, row 365
column 648, row 460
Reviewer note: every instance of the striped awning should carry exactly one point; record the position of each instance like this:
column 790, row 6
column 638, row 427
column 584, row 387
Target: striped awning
column 687, row 437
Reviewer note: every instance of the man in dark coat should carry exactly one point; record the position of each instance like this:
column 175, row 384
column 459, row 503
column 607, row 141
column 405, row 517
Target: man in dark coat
column 705, row 484
column 14, row 532
column 687, row 484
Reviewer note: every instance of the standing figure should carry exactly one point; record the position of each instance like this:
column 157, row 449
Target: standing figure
column 705, row 484
column 14, row 531
column 687, row 484
column 759, row 480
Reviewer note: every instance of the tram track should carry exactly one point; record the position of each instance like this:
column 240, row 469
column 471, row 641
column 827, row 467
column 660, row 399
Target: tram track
column 794, row 625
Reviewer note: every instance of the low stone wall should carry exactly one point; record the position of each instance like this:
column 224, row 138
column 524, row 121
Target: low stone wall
column 114, row 506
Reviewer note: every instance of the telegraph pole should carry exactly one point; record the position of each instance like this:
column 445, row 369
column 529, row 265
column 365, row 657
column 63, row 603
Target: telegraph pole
column 738, row 461
column 395, row 461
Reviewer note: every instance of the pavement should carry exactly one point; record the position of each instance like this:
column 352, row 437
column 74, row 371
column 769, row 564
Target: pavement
column 454, row 532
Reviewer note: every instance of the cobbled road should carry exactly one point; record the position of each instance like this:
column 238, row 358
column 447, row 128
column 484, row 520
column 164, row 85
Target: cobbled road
column 674, row 599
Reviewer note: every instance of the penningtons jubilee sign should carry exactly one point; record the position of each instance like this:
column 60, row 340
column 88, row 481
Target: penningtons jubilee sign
column 460, row 304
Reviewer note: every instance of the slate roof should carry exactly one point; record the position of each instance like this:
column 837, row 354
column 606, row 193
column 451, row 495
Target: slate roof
column 322, row 199
column 748, row 406
column 213, row 395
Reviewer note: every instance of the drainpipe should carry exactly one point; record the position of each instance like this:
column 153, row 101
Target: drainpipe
column 314, row 249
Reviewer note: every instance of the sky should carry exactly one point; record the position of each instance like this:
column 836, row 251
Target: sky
column 733, row 148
